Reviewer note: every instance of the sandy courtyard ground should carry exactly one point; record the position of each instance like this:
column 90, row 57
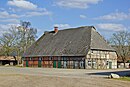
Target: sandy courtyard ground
column 39, row 77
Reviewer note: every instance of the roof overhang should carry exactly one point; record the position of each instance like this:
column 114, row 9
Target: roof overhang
column 110, row 50
column 63, row 55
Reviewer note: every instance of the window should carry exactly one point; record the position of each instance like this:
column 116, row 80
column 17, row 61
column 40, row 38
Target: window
column 81, row 64
column 40, row 59
column 65, row 64
column 65, row 58
column 59, row 58
column 50, row 58
column 76, row 64
column 89, row 63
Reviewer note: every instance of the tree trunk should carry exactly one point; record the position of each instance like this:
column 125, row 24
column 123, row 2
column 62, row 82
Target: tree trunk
column 124, row 64
column 17, row 61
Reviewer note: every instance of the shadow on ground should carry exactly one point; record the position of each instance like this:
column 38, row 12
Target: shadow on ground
column 120, row 73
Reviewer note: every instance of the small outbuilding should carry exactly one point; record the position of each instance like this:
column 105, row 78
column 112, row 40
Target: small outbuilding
column 10, row 60
column 76, row 48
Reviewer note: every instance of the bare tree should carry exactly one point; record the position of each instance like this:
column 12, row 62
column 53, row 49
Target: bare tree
column 18, row 39
column 121, row 42
column 7, row 41
column 26, row 36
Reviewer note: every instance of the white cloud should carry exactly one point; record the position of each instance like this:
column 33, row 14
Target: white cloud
column 10, row 21
column 4, row 28
column 82, row 4
column 25, row 9
column 14, row 10
column 30, row 14
column 82, row 16
column 22, row 4
column 115, row 16
column 5, row 14
column 62, row 26
column 111, row 27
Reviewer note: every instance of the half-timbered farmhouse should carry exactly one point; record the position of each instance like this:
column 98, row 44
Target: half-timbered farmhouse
column 76, row 48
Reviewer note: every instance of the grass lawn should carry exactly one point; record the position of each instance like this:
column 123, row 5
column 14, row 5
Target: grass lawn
column 124, row 78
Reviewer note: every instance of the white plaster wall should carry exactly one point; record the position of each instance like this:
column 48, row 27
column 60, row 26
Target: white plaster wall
column 103, row 55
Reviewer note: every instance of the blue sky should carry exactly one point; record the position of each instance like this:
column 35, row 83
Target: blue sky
column 108, row 16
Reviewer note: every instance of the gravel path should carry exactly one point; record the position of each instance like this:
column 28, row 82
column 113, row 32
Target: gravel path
column 40, row 77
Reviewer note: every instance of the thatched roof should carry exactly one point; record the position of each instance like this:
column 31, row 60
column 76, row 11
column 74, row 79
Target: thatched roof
column 68, row 42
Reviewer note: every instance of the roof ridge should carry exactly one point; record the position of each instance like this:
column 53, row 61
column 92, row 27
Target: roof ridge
column 70, row 28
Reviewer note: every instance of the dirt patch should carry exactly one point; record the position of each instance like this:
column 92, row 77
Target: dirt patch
column 38, row 77
column 17, row 80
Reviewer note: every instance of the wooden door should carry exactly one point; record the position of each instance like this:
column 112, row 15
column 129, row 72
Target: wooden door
column 59, row 64
column 26, row 63
column 110, row 65
column 39, row 63
column 54, row 64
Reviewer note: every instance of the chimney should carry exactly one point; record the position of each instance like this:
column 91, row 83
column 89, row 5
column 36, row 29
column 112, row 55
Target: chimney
column 55, row 29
